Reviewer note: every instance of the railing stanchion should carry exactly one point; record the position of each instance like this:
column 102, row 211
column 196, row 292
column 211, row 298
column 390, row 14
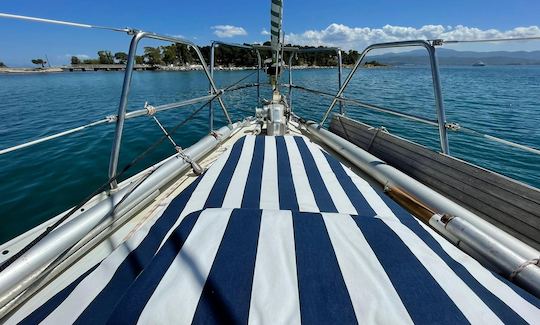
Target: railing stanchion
column 340, row 71
column 259, row 67
column 122, row 107
column 439, row 104
column 290, row 79
column 210, row 107
column 441, row 117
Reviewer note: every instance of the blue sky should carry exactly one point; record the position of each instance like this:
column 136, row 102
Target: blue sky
column 344, row 23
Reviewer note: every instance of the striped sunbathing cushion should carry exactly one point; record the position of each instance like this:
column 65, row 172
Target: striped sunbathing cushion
column 278, row 231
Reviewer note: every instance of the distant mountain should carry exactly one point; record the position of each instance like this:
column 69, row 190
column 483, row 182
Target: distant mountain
column 453, row 57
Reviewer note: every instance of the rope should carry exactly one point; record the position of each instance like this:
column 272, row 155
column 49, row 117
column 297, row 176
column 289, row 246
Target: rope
column 103, row 187
column 534, row 261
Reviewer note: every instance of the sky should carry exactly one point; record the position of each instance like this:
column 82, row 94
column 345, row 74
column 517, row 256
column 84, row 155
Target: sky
column 349, row 24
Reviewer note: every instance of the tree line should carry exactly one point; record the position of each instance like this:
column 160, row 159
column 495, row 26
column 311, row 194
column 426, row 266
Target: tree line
column 180, row 54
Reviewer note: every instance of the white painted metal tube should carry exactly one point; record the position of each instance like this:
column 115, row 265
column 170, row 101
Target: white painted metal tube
column 495, row 253
column 388, row 175
column 19, row 275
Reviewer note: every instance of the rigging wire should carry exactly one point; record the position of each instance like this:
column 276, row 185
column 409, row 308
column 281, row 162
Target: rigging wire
column 106, row 185
column 112, row 118
column 451, row 126
column 62, row 22
column 101, row 189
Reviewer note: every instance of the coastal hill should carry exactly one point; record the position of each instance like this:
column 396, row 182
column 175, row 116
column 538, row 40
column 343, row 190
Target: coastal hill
column 453, row 57
column 180, row 57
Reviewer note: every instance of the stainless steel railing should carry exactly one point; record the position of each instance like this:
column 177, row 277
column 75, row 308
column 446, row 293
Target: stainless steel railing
column 122, row 108
column 439, row 104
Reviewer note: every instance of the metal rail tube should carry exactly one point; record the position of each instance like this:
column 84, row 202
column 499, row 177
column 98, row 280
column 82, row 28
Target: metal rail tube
column 290, row 81
column 340, row 72
column 122, row 107
column 259, row 67
column 210, row 108
column 388, row 175
column 370, row 106
column 53, row 136
column 201, row 59
column 61, row 22
column 435, row 77
column 137, row 113
column 19, row 275
column 495, row 253
column 441, row 115
column 212, row 83
column 269, row 48
column 164, row 107
column 113, row 164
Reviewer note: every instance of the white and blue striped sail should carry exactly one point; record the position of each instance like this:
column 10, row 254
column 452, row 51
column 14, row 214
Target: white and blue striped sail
column 278, row 231
column 276, row 19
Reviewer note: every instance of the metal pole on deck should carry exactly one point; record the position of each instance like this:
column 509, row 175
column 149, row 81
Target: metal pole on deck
column 122, row 107
column 211, row 109
column 290, row 79
column 340, row 71
column 259, row 67
column 439, row 104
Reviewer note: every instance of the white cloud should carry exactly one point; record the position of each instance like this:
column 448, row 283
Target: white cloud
column 80, row 56
column 359, row 37
column 265, row 32
column 177, row 36
column 224, row 31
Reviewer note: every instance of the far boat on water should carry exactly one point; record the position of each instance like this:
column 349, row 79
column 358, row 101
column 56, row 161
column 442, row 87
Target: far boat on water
column 479, row 64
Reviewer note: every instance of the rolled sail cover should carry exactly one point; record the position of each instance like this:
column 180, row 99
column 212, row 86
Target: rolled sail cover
column 276, row 17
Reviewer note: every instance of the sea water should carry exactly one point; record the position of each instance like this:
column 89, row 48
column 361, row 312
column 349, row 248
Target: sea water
column 41, row 181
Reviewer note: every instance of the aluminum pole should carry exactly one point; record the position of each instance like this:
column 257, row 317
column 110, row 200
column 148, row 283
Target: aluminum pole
column 28, row 268
column 435, row 77
column 290, row 80
column 115, row 152
column 259, row 67
column 211, row 109
column 340, row 71
column 439, row 104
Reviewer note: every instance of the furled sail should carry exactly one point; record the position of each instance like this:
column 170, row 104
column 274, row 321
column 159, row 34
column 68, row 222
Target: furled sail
column 276, row 18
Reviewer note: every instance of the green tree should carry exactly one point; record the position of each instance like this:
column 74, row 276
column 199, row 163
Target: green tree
column 75, row 60
column 39, row 62
column 90, row 61
column 152, row 55
column 2, row 65
column 139, row 59
column 105, row 57
column 169, row 54
column 121, row 57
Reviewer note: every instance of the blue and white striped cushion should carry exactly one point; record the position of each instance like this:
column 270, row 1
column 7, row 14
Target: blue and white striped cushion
column 285, row 233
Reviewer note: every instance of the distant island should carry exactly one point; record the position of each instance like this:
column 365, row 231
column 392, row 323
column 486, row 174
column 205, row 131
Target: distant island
column 465, row 58
column 178, row 57
column 374, row 64
column 181, row 55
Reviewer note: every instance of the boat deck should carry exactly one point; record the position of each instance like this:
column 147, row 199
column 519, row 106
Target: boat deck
column 277, row 230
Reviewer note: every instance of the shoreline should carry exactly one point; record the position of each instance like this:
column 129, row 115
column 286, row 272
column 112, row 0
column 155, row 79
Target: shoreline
column 154, row 69
column 29, row 70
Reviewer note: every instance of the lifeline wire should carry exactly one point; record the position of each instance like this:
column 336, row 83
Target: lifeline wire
column 137, row 159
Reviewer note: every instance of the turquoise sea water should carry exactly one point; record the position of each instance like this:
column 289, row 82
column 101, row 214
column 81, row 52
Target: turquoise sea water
column 42, row 181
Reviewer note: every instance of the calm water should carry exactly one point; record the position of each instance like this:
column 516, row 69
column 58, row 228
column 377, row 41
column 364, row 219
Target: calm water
column 44, row 180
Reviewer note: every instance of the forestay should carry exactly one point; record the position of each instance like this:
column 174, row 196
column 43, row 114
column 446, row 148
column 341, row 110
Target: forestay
column 278, row 231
